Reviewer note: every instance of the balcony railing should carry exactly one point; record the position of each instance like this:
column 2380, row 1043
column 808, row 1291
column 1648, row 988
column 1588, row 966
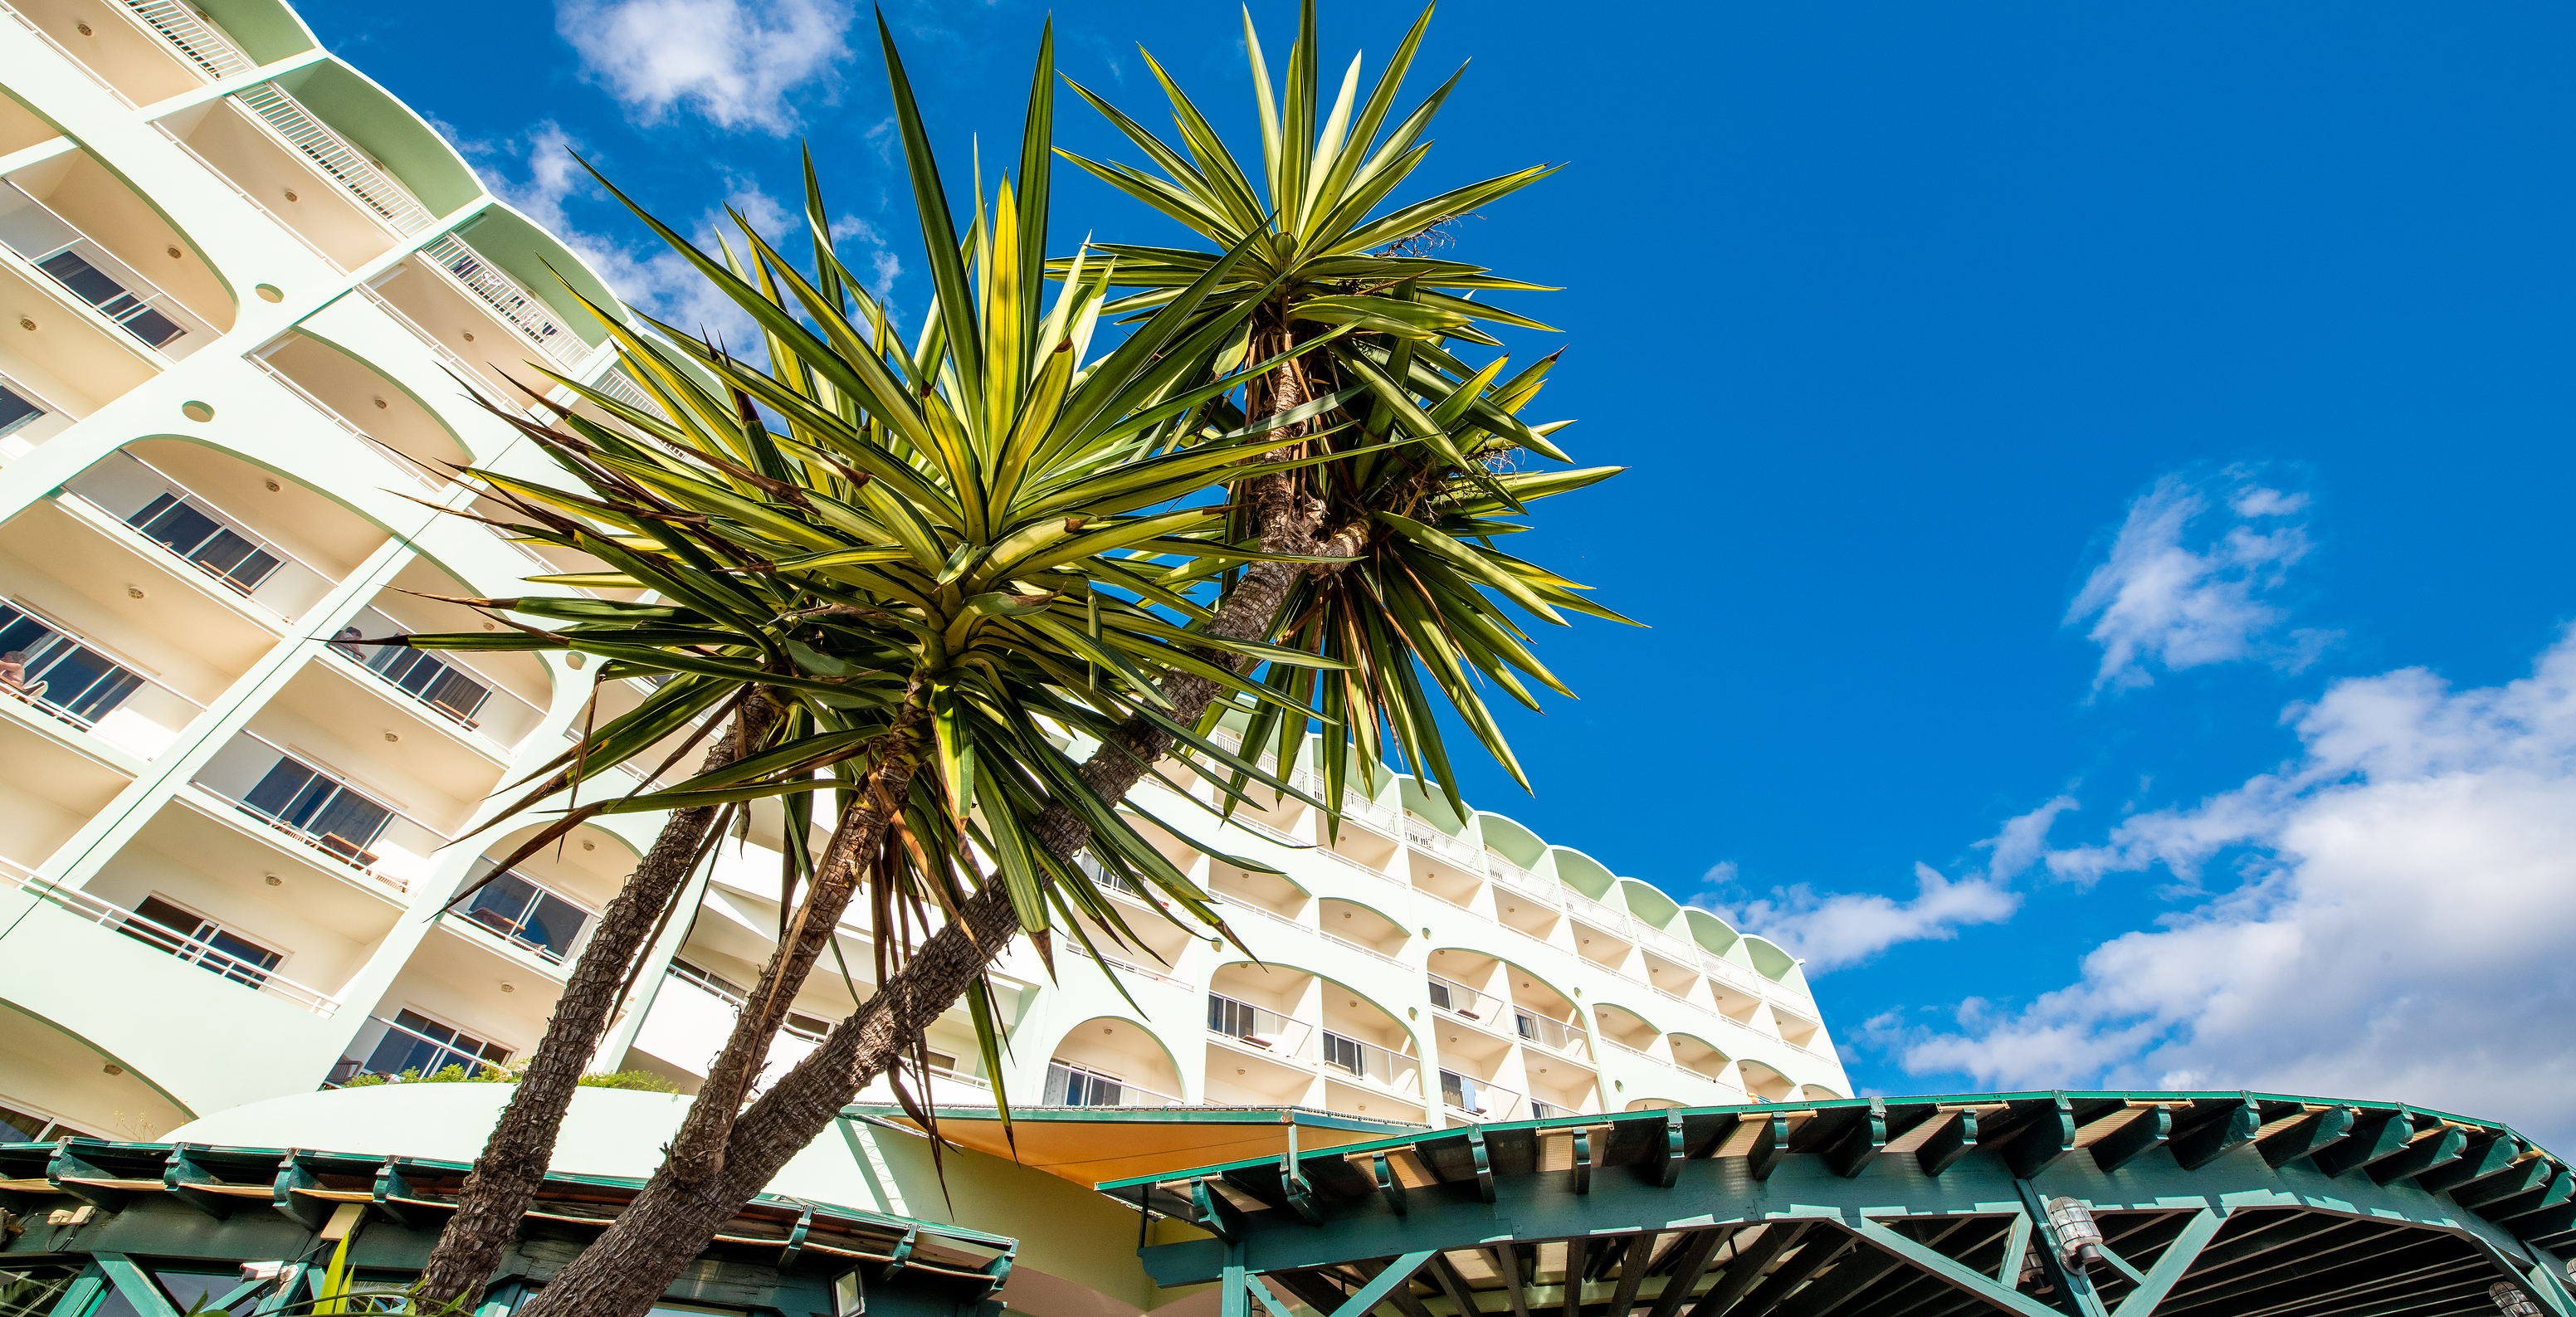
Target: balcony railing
column 200, row 44
column 1364, row 950
column 98, row 277
column 439, row 682
column 332, row 156
column 75, row 682
column 1555, row 1035
column 412, row 1045
column 200, row 951
column 1478, row 1099
column 320, row 812
column 1358, row 1059
column 1718, row 967
column 1080, row 1086
column 1423, row 837
column 1671, row 944
column 525, row 912
column 1458, row 999
column 197, row 532
column 1108, row 963
column 411, row 470
column 1603, row 917
column 507, row 299
column 1524, row 882
column 805, row 1028
column 1258, row 1027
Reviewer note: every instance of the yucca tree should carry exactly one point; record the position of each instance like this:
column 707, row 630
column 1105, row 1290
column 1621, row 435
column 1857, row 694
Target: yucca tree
column 1305, row 238
column 1214, row 405
column 954, row 551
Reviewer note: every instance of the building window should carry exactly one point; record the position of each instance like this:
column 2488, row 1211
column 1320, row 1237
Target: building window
column 413, row 1044
column 193, row 532
column 440, row 685
column 67, row 676
column 201, row 942
column 340, row 820
column 1348, row 1053
column 100, row 289
column 528, row 914
column 16, row 411
column 1077, row 1086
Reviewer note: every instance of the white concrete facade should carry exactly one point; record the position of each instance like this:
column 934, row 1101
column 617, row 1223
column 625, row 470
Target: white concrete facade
column 238, row 286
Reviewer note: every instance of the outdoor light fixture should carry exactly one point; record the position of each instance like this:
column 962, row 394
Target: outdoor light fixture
column 2512, row 1302
column 2079, row 1236
column 849, row 1295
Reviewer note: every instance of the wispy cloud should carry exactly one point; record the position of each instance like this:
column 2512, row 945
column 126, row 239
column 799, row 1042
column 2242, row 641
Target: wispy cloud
column 733, row 63
column 2188, row 579
column 1842, row 928
column 2401, row 897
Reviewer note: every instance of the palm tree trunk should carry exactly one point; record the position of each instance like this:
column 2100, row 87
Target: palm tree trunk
column 677, row 1212
column 514, row 1159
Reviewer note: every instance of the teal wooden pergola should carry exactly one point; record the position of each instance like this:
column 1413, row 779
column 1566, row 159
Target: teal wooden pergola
column 2205, row 1204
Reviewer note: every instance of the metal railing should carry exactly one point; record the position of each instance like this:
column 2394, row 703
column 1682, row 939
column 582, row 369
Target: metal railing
column 1423, row 837
column 1354, row 1058
column 1275, row 834
column 803, row 1027
column 185, row 525
column 1473, row 1097
column 335, row 159
column 1108, row 962
column 1381, row 819
column 1080, row 1086
column 1673, row 945
column 441, row 682
column 523, row 911
column 320, row 812
column 1598, row 914
column 74, row 681
column 1550, row 1033
column 1460, row 1000
column 618, row 385
column 193, row 951
column 1718, row 967
column 506, row 298
column 410, row 469
column 1257, row 1027
column 1380, row 874
column 1790, row 991
column 1236, row 903
column 1523, row 881
column 1365, row 950
column 201, row 45
column 98, row 277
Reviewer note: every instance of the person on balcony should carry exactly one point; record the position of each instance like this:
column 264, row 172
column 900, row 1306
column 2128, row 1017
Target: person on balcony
column 13, row 675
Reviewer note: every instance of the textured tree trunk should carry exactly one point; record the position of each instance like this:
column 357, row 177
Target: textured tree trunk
column 672, row 1219
column 514, row 1159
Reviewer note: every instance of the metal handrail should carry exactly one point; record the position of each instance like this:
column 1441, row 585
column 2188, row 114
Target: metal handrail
column 332, row 414
column 1376, row 1061
column 331, row 155
column 176, row 23
column 1112, row 962
column 1421, row 836
column 1471, row 1096
column 312, row 841
column 1719, row 967
column 187, row 949
column 64, row 713
column 615, row 384
column 1271, row 915
column 1599, row 914
column 1363, row 950
column 507, row 298
column 203, row 504
column 1258, row 1028
column 1546, row 1031
column 1523, row 881
column 1073, row 1077
column 1480, row 1008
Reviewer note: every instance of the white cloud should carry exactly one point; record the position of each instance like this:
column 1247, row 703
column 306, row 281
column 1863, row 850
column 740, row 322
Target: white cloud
column 648, row 274
column 2404, row 893
column 2184, row 586
column 732, row 62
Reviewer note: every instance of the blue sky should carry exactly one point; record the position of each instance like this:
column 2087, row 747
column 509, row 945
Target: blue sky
column 2100, row 475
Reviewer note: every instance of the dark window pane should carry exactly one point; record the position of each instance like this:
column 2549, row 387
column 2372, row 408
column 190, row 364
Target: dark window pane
column 15, row 411
column 171, row 523
column 152, row 327
column 350, row 817
column 78, row 275
column 502, row 904
column 276, row 793
column 554, row 923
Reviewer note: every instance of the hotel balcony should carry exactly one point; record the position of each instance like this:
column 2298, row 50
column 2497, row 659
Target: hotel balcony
column 50, row 785
column 535, row 924
column 192, row 938
column 312, row 150
column 143, row 50
column 111, row 253
column 70, row 686
column 307, row 809
column 1072, row 1085
column 1471, row 1099
column 365, row 404
column 486, row 324
column 1258, row 1055
column 267, row 547
column 1356, row 927
column 409, row 1046
column 447, row 690
column 60, row 360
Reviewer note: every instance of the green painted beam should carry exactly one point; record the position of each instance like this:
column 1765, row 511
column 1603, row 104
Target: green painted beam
column 2171, row 1264
column 134, row 1286
column 2216, row 1137
column 2314, row 1133
column 1382, row 1284
column 1974, row 1284
column 1745, row 1269
column 2424, row 1155
column 2374, row 1139
column 2148, row 1130
column 1688, row 1267
column 2049, row 1136
column 1948, row 1144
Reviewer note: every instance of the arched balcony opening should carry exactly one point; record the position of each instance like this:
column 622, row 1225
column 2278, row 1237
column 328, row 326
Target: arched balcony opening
column 1625, row 1030
column 494, row 699
column 360, row 400
column 1764, row 1083
column 1110, row 1061
column 1266, row 893
column 146, row 52
column 1362, row 929
column 1368, row 1057
column 1705, row 1059
column 112, row 256
column 55, row 1083
column 1264, row 1046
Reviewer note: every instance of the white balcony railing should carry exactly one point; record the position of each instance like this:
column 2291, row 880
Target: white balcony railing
column 508, row 299
column 1478, row 1099
column 1555, row 1035
column 197, row 42
column 437, row 681
column 318, row 811
column 526, row 913
column 76, row 682
column 194, row 530
column 1069, row 1085
column 1259, row 1028
column 336, row 159
column 1423, row 837
column 1347, row 1058
column 1458, row 999
column 192, row 950
column 1369, row 951
column 411, row 1046
column 1673, row 945
column 1603, row 917
column 1718, row 967
column 1524, row 882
